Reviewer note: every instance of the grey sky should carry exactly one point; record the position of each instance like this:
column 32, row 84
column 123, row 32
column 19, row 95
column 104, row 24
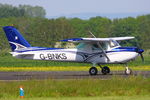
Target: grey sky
column 67, row 7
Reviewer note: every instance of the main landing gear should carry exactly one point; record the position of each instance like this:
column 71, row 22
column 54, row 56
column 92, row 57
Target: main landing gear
column 93, row 70
column 105, row 70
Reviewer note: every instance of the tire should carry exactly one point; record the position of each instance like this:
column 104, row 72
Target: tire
column 93, row 71
column 105, row 70
column 128, row 72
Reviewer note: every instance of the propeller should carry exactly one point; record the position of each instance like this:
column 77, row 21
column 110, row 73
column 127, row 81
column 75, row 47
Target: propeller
column 140, row 51
column 142, row 57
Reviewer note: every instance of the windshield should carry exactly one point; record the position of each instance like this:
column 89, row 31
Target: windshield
column 113, row 43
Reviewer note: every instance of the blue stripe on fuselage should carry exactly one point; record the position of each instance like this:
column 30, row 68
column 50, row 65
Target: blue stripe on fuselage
column 122, row 49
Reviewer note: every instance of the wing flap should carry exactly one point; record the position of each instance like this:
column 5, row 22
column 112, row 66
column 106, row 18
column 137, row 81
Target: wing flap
column 14, row 54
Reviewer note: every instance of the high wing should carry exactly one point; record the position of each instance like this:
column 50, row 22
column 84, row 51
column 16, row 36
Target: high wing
column 96, row 39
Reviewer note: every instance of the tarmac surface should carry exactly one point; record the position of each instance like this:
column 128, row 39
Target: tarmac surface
column 65, row 75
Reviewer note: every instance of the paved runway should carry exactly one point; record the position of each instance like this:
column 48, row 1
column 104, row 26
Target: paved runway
column 64, row 75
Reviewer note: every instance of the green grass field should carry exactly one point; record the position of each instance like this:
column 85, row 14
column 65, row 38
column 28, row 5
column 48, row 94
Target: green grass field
column 117, row 86
column 88, row 98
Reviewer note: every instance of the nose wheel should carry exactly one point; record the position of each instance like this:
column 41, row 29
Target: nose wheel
column 128, row 71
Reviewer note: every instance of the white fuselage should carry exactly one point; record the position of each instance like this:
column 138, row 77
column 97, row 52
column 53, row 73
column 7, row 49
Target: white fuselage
column 75, row 55
column 89, row 50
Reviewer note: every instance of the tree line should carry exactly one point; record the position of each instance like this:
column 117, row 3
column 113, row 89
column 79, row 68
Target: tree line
column 40, row 31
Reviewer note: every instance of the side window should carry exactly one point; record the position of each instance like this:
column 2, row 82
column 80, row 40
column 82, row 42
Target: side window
column 80, row 46
column 95, row 47
column 104, row 46
column 84, row 46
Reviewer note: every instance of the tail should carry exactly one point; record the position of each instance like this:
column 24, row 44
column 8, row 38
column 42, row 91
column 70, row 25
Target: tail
column 15, row 39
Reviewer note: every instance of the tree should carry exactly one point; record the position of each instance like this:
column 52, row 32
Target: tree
column 30, row 11
column 21, row 11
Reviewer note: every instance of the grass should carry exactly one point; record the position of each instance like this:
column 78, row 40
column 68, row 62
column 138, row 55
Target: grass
column 70, row 68
column 117, row 86
column 89, row 98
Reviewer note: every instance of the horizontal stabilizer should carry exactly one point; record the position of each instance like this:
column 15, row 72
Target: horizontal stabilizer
column 23, row 56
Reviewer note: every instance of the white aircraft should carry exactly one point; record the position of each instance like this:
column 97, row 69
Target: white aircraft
column 90, row 50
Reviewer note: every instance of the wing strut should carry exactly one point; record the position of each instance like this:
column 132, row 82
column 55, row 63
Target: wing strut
column 99, row 45
column 92, row 34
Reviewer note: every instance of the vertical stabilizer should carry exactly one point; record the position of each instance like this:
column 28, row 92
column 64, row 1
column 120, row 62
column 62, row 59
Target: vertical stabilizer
column 16, row 40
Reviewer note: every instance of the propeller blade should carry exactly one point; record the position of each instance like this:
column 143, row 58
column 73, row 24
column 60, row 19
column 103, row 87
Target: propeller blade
column 142, row 57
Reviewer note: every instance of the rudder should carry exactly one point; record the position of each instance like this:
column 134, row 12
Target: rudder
column 16, row 40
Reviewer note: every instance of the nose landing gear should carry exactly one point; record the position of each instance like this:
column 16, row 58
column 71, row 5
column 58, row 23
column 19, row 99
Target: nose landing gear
column 128, row 71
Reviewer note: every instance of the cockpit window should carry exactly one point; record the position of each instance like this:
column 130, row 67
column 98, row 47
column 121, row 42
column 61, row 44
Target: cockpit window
column 83, row 46
column 92, row 46
column 95, row 46
column 80, row 46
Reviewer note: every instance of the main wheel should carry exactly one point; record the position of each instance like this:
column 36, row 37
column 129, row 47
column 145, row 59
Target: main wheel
column 105, row 70
column 93, row 71
column 128, row 71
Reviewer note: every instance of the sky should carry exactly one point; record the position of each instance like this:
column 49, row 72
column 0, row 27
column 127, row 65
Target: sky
column 83, row 8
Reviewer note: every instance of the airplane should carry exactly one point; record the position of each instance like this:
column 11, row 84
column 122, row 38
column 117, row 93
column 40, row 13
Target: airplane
column 97, row 51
